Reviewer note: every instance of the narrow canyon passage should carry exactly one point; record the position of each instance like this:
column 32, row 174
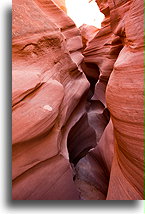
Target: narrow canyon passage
column 84, row 136
column 77, row 113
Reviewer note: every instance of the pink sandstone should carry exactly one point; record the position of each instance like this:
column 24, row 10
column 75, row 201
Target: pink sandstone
column 47, row 88
column 84, row 108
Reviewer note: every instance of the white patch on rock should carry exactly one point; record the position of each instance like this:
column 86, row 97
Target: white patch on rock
column 47, row 107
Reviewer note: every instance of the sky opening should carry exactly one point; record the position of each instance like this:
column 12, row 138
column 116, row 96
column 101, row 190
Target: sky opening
column 83, row 12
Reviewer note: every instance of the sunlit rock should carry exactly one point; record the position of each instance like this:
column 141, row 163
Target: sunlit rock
column 47, row 88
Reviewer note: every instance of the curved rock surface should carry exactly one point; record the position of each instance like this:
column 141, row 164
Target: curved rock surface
column 47, row 88
column 88, row 32
column 93, row 171
column 75, row 135
column 61, row 4
column 125, row 102
column 117, row 51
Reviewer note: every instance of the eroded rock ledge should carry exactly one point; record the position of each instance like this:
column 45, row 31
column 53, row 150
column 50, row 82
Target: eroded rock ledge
column 77, row 114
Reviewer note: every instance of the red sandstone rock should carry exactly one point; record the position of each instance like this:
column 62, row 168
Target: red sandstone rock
column 48, row 180
column 125, row 102
column 80, row 141
column 47, row 88
column 92, row 171
column 61, row 4
column 122, row 29
column 103, row 49
column 88, row 32
column 49, row 103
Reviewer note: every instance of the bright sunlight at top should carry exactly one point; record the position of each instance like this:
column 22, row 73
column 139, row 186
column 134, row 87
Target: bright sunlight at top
column 83, row 12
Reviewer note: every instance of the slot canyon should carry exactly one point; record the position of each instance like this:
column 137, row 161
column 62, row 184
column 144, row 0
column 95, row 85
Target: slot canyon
column 77, row 102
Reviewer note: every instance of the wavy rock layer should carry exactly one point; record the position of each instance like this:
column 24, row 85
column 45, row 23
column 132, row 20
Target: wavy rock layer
column 125, row 102
column 48, row 99
column 93, row 171
column 61, row 115
column 117, row 51
column 88, row 32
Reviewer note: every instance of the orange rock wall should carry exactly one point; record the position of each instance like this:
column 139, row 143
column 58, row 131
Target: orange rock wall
column 58, row 117
column 125, row 102
column 47, row 88
column 114, row 169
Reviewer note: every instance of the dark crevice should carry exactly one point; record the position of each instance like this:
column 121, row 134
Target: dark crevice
column 86, row 133
column 81, row 139
column 92, row 73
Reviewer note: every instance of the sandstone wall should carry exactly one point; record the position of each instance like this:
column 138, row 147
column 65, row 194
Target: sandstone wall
column 61, row 115
column 125, row 102
column 117, row 51
column 47, row 88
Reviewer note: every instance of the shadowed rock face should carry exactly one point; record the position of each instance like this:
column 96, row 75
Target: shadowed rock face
column 61, row 115
column 80, row 141
column 93, row 171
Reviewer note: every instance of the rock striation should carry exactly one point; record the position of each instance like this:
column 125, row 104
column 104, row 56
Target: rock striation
column 93, row 170
column 117, row 52
column 77, row 103
column 125, row 102
column 88, row 32
column 48, row 99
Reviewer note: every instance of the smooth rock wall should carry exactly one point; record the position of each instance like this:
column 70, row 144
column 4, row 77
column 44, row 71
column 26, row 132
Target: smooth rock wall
column 114, row 169
column 125, row 101
column 61, row 115
column 48, row 99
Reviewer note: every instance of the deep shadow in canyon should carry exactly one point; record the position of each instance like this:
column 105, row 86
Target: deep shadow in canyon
column 77, row 125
